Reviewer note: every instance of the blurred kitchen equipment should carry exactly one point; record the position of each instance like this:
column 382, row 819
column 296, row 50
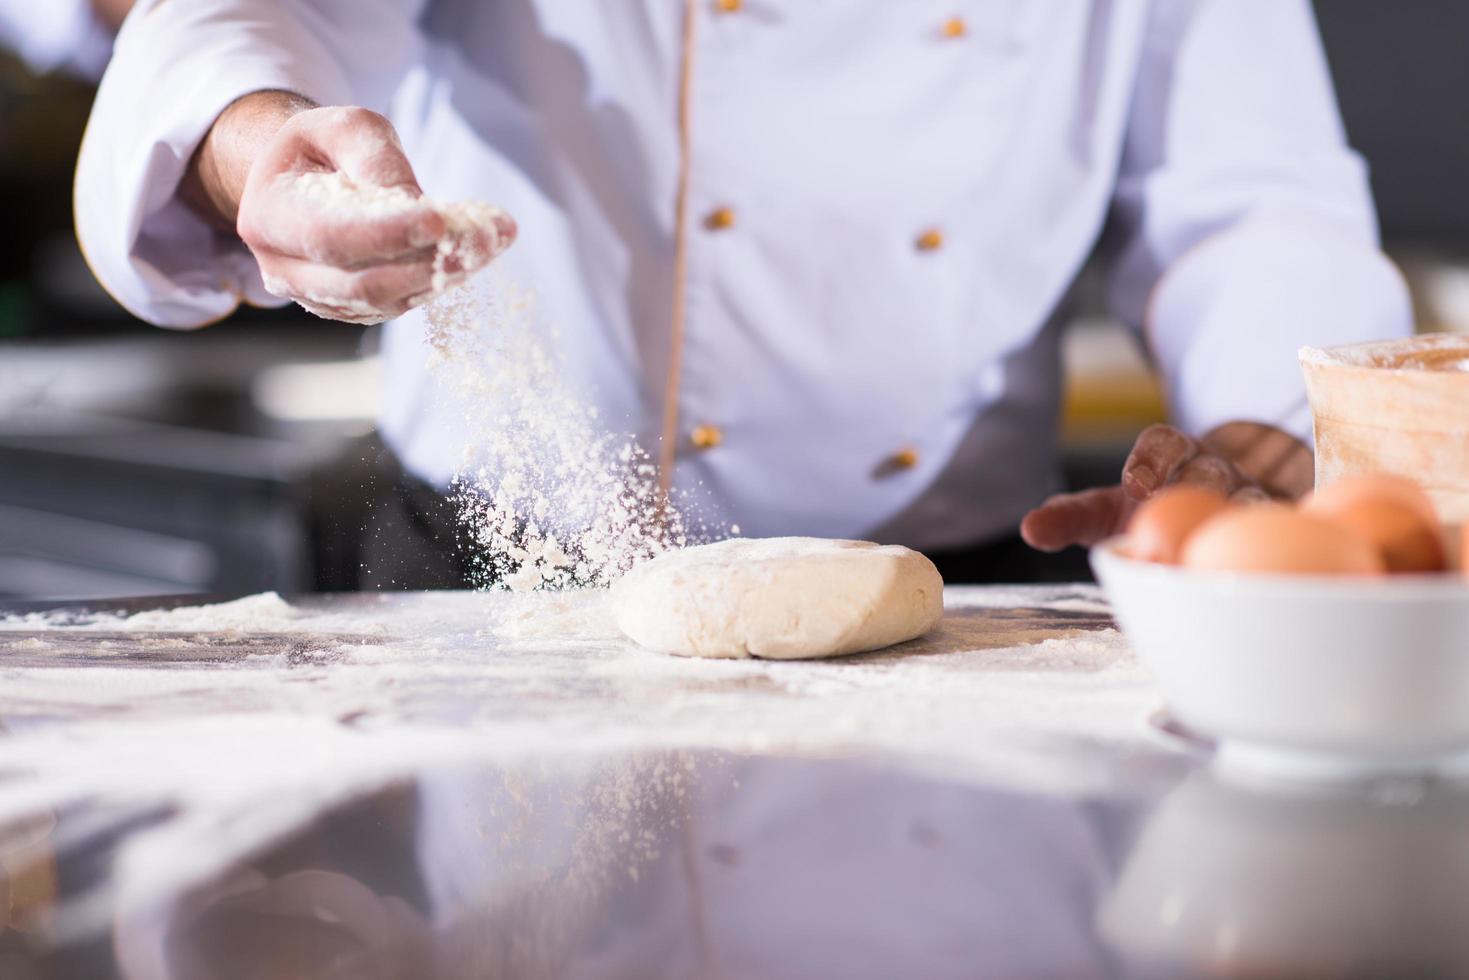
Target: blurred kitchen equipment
column 229, row 460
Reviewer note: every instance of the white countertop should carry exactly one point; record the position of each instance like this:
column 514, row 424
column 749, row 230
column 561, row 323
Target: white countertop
column 214, row 733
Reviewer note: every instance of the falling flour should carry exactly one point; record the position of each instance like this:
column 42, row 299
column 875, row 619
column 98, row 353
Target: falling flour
column 548, row 497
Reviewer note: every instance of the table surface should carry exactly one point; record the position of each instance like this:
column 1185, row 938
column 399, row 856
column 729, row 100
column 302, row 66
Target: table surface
column 472, row 785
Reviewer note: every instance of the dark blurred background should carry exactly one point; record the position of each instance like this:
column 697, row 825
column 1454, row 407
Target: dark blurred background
column 237, row 458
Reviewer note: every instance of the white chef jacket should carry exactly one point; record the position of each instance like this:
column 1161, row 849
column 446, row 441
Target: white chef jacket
column 885, row 205
column 56, row 34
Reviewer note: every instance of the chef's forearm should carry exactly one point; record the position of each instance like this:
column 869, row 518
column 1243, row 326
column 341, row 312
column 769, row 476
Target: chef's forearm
column 215, row 180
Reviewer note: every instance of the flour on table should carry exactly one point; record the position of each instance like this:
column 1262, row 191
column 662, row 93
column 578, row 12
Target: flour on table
column 243, row 733
column 575, row 616
column 265, row 612
column 547, row 672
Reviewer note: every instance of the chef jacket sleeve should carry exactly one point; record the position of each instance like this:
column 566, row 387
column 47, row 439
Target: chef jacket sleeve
column 177, row 65
column 1246, row 221
column 55, row 34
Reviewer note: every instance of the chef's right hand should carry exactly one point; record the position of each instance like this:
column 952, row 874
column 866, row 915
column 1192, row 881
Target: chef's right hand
column 363, row 258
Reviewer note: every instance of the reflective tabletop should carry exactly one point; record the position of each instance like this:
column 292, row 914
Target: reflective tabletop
column 474, row 786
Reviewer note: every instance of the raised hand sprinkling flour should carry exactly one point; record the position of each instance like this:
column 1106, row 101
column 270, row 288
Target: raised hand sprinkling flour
column 474, row 233
column 332, row 212
column 327, row 202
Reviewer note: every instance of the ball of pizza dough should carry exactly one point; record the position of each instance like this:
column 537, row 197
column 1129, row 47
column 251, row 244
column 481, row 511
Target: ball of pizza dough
column 779, row 598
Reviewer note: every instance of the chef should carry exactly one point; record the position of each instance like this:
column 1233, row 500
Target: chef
column 814, row 254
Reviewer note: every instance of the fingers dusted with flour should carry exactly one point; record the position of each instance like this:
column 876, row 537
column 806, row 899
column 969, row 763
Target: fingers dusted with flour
column 328, row 203
column 392, row 288
column 334, row 188
column 336, row 219
column 362, row 144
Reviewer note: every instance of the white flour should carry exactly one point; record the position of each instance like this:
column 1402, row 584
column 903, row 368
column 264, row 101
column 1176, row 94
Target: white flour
column 249, row 717
column 1433, row 351
column 541, row 670
column 458, row 253
column 261, row 613
column 548, row 496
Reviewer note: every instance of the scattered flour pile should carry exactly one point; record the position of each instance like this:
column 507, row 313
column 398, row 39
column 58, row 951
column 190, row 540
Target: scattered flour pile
column 548, row 497
column 557, row 759
column 262, row 613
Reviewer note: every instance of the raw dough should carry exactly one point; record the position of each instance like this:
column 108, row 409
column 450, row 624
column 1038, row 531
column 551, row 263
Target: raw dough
column 779, row 598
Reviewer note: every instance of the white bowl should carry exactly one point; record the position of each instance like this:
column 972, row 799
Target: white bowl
column 1313, row 674
column 1233, row 879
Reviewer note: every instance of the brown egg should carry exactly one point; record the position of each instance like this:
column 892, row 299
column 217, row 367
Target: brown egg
column 1275, row 538
column 1372, row 486
column 1392, row 513
column 1163, row 523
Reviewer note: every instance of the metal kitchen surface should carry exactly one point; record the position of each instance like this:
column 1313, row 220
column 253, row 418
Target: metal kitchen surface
column 475, row 785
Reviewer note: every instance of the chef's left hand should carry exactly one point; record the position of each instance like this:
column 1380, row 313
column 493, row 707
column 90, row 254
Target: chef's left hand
column 1244, row 460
